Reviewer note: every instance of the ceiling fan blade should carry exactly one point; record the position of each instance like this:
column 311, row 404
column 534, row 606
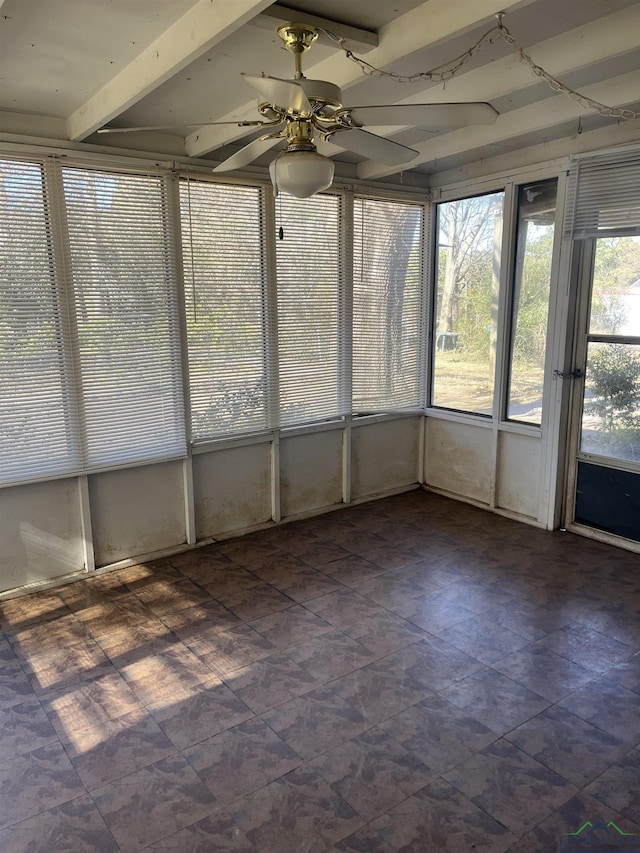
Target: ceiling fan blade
column 373, row 147
column 248, row 154
column 175, row 126
column 445, row 116
column 326, row 147
column 285, row 94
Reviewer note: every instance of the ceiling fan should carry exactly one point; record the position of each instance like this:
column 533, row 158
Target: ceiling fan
column 304, row 112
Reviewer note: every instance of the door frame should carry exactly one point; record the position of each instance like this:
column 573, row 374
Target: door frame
column 585, row 258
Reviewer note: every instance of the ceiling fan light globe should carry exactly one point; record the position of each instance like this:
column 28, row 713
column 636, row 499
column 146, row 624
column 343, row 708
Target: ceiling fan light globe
column 301, row 173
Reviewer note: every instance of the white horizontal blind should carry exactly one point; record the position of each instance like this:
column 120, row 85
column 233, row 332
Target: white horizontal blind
column 222, row 237
column 604, row 197
column 310, row 307
column 37, row 438
column 388, row 303
column 128, row 349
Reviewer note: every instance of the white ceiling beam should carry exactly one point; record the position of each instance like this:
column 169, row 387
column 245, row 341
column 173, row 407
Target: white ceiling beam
column 428, row 24
column 26, row 124
column 536, row 117
column 206, row 24
column 511, row 161
column 356, row 38
column 596, row 41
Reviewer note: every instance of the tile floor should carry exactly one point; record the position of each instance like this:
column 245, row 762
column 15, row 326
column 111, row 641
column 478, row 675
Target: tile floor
column 409, row 675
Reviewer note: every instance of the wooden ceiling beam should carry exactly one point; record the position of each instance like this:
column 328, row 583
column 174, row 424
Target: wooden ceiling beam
column 533, row 118
column 605, row 38
column 206, row 24
column 356, row 38
column 429, row 24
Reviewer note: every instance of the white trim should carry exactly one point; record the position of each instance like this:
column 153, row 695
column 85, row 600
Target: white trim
column 609, row 462
column 483, row 421
column 603, row 536
column 504, row 324
column 422, row 452
column 346, row 460
column 497, row 181
column 88, row 553
column 276, row 497
column 77, row 472
column 496, row 510
column 149, row 162
column 520, row 428
column 553, row 423
column 363, row 420
column 211, row 445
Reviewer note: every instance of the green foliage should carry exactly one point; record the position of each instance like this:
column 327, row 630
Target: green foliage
column 614, row 378
column 474, row 311
column 532, row 304
column 616, row 266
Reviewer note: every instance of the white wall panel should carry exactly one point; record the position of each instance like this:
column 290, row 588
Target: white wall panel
column 40, row 535
column 384, row 456
column 459, row 458
column 232, row 489
column 518, row 473
column 310, row 472
column 137, row 511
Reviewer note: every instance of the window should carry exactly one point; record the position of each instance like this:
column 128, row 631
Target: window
column 312, row 381
column 224, row 280
column 388, row 299
column 611, row 411
column 466, row 306
column 89, row 355
column 530, row 306
column 36, row 425
column 91, row 349
column 129, row 395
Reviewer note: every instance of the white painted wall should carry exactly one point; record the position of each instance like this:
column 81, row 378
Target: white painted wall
column 385, row 456
column 518, row 474
column 310, row 472
column 499, row 466
column 40, row 532
column 136, row 512
column 458, row 459
column 232, row 489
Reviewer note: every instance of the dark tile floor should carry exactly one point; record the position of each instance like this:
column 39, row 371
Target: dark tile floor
column 410, row 675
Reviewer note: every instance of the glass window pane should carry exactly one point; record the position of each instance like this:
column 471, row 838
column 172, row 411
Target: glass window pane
column 615, row 297
column 309, row 310
column 126, row 317
column 468, row 259
column 531, row 290
column 611, row 413
column 37, row 432
column 222, row 230
column 388, row 358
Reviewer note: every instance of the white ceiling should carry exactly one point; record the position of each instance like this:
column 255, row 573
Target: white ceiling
column 68, row 67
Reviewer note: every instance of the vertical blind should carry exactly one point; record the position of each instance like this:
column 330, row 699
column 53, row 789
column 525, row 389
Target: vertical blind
column 225, row 292
column 37, row 437
column 310, row 306
column 128, row 352
column 388, row 306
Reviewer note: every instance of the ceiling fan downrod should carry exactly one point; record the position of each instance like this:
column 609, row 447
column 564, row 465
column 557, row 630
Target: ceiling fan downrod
column 297, row 39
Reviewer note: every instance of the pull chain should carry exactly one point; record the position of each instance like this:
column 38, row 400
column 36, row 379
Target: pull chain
column 280, row 229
